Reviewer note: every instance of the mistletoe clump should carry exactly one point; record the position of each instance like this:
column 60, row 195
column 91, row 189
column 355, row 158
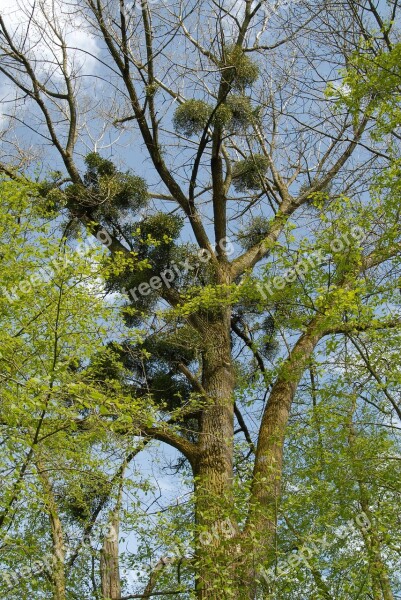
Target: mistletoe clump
column 169, row 390
column 223, row 116
column 166, row 351
column 85, row 497
column 153, row 241
column 242, row 112
column 160, row 227
column 104, row 192
column 254, row 232
column 113, row 192
column 156, row 364
column 191, row 117
column 236, row 114
column 238, row 69
column 180, row 345
column 269, row 343
column 248, row 173
column 51, row 198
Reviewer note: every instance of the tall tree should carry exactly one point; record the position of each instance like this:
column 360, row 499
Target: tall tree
column 230, row 129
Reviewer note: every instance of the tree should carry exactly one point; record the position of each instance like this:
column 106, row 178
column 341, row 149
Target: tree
column 55, row 477
column 229, row 129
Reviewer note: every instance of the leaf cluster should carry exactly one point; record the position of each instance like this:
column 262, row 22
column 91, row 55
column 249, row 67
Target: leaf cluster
column 248, row 173
column 238, row 69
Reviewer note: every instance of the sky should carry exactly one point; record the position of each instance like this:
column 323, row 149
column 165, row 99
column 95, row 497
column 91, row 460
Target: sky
column 85, row 45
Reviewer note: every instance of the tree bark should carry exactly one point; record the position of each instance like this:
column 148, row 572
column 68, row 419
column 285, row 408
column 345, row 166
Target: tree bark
column 110, row 561
column 260, row 531
column 214, row 465
column 57, row 574
column 110, row 555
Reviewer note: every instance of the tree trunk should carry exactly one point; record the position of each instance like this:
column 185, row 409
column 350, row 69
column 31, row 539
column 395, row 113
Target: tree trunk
column 260, row 531
column 214, row 468
column 58, row 575
column 58, row 548
column 381, row 586
column 234, row 564
column 110, row 561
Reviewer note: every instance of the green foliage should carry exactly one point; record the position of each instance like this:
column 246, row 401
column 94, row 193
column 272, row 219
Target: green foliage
column 248, row 173
column 178, row 346
column 99, row 385
column 254, row 232
column 191, row 117
column 169, row 391
column 163, row 355
column 106, row 366
column 223, row 116
column 157, row 231
column 105, row 192
column 54, row 415
column 242, row 112
column 371, row 83
column 239, row 70
column 82, row 497
column 269, row 345
column 236, row 115
column 339, row 461
column 153, row 241
column 51, row 198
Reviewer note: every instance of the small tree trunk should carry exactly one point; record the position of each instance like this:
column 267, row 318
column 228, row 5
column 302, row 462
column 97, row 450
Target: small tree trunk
column 58, row 574
column 381, row 587
column 110, row 561
column 58, row 549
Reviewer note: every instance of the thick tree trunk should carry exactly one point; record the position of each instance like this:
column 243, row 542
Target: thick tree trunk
column 260, row 531
column 233, row 564
column 214, row 468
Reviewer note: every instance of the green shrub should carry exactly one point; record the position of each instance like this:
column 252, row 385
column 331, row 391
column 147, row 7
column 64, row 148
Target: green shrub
column 254, row 232
column 238, row 69
column 248, row 173
column 191, row 117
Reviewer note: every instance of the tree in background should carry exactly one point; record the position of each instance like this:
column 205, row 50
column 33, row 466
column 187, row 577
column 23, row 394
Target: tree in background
column 62, row 455
column 245, row 140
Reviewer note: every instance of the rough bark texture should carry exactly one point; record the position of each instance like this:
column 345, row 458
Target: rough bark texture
column 109, row 562
column 259, row 534
column 214, row 467
column 58, row 549
column 236, row 564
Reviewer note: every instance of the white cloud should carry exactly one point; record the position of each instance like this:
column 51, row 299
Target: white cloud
column 45, row 46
